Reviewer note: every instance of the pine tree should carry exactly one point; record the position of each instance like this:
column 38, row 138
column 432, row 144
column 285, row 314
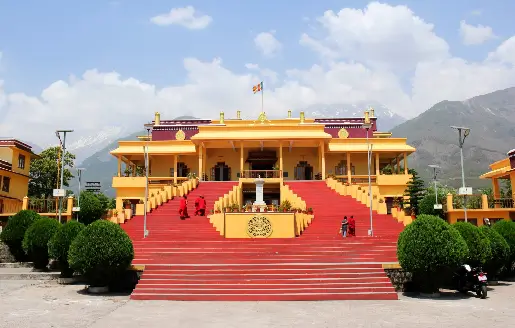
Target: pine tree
column 414, row 190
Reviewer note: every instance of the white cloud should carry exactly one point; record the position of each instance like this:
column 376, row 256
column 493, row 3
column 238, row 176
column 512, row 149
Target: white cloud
column 267, row 43
column 474, row 35
column 382, row 53
column 187, row 17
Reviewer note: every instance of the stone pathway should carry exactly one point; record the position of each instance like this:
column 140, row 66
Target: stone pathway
column 46, row 304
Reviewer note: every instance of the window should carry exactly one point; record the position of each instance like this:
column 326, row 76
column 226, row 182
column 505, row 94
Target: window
column 5, row 184
column 21, row 162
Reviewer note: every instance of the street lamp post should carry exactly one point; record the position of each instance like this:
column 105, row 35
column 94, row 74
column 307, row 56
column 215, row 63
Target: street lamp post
column 79, row 175
column 148, row 127
column 463, row 133
column 367, row 125
column 435, row 173
column 58, row 134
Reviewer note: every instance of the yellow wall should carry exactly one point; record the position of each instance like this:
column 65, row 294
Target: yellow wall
column 227, row 155
column 290, row 160
column 359, row 161
column 479, row 215
column 161, row 164
column 6, row 154
column 283, row 224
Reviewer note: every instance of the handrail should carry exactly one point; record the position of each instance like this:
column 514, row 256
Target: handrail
column 265, row 174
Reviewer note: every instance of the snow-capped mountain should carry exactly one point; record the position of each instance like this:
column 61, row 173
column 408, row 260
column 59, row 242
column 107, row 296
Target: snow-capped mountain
column 386, row 118
column 88, row 144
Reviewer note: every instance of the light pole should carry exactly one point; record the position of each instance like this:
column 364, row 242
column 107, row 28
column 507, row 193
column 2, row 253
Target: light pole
column 463, row 133
column 79, row 175
column 148, row 127
column 367, row 125
column 435, row 173
column 63, row 152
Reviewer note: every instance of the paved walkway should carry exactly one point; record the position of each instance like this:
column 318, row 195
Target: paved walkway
column 45, row 304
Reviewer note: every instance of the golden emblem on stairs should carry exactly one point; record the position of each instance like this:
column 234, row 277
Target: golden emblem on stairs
column 259, row 227
column 180, row 135
column 343, row 133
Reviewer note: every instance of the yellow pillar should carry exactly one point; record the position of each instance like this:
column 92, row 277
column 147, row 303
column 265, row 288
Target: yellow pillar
column 449, row 203
column 484, row 201
column 200, row 161
column 25, row 203
column 281, row 158
column 512, row 181
column 405, row 163
column 175, row 169
column 119, row 166
column 398, row 170
column 349, row 178
column 377, row 165
column 204, row 158
column 495, row 188
column 322, row 159
column 242, row 163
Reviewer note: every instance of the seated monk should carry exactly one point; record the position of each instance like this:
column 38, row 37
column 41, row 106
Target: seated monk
column 183, row 208
column 352, row 226
column 197, row 208
column 202, row 206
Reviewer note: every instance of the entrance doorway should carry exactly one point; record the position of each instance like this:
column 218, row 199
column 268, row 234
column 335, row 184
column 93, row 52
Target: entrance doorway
column 182, row 170
column 262, row 160
column 303, row 171
column 220, row 172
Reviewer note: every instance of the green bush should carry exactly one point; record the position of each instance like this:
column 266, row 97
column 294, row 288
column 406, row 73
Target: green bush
column 478, row 244
column 507, row 230
column 13, row 233
column 59, row 245
column 500, row 252
column 101, row 252
column 428, row 248
column 91, row 207
column 35, row 241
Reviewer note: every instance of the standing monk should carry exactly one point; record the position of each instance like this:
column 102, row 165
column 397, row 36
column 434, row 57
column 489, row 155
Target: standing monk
column 197, row 205
column 202, row 206
column 352, row 226
column 183, row 208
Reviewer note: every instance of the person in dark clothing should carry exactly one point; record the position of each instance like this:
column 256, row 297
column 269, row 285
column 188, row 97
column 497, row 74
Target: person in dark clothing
column 345, row 225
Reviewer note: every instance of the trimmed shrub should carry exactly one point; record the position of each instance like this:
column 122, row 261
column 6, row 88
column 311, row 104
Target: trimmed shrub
column 507, row 230
column 14, row 232
column 101, row 252
column 35, row 241
column 91, row 208
column 59, row 245
column 429, row 248
column 478, row 244
column 500, row 252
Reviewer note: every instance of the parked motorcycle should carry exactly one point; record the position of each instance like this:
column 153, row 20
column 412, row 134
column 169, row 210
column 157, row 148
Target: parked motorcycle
column 471, row 279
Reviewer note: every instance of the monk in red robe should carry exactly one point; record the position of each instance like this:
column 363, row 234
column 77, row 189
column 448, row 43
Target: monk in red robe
column 352, row 226
column 183, row 208
column 202, row 206
column 197, row 208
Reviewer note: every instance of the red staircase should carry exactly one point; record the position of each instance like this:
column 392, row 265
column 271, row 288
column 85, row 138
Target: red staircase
column 330, row 208
column 188, row 260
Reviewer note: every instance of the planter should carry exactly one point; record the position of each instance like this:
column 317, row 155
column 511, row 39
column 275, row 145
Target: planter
column 67, row 281
column 98, row 290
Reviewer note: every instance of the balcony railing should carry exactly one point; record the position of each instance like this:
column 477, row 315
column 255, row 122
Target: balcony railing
column 501, row 203
column 264, row 174
column 474, row 202
column 50, row 205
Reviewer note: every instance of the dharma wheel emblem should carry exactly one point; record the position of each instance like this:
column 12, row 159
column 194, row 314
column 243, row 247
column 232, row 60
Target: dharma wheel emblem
column 180, row 135
column 343, row 133
column 259, row 226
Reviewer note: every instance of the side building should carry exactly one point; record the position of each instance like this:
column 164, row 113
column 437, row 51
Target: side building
column 278, row 150
column 15, row 158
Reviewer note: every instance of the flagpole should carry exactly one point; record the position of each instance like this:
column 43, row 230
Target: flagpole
column 262, row 110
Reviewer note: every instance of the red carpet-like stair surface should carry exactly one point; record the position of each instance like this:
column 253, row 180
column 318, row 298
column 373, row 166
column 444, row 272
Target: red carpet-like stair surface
column 189, row 260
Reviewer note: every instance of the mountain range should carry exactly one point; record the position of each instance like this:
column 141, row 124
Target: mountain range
column 491, row 120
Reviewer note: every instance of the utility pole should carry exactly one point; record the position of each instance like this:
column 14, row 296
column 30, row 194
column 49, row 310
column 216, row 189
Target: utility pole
column 463, row 133
column 63, row 146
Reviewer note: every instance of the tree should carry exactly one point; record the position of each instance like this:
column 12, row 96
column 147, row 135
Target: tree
column 43, row 172
column 91, row 207
column 414, row 190
column 506, row 189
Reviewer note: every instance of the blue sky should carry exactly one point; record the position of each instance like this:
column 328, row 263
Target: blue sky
column 43, row 41
column 107, row 63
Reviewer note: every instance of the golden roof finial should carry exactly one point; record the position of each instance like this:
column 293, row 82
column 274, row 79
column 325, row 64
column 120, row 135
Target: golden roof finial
column 222, row 115
column 367, row 117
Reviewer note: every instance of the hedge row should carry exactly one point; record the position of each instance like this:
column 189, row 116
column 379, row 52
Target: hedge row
column 100, row 252
column 431, row 249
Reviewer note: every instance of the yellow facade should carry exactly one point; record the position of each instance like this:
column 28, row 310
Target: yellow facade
column 501, row 207
column 229, row 149
column 15, row 158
